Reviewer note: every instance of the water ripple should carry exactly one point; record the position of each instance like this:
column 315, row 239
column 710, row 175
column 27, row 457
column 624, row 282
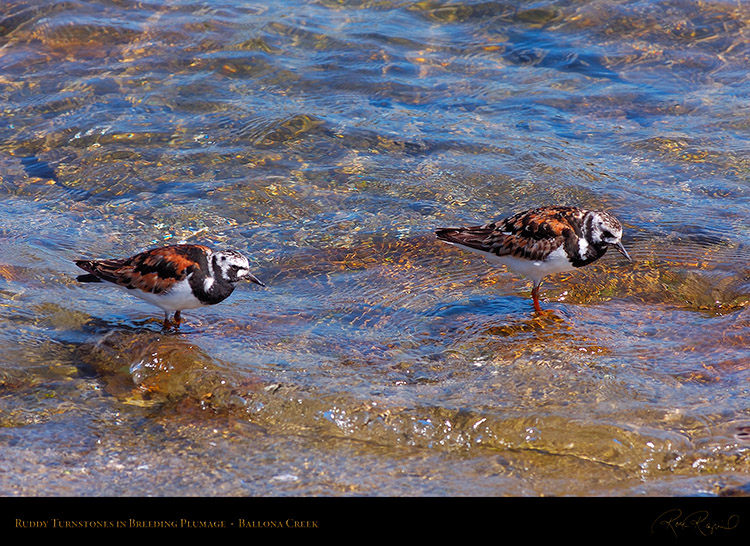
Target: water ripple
column 327, row 140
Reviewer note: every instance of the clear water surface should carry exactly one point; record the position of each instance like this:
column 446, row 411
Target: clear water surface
column 327, row 140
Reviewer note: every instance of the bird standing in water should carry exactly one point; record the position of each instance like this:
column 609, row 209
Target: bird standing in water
column 174, row 278
column 542, row 241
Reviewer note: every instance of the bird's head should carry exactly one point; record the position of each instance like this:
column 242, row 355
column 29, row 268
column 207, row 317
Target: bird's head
column 234, row 266
column 605, row 230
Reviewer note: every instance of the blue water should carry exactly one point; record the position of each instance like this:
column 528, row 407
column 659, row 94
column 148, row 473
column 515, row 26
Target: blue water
column 327, row 140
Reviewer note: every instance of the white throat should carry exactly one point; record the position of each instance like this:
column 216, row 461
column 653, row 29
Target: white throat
column 209, row 281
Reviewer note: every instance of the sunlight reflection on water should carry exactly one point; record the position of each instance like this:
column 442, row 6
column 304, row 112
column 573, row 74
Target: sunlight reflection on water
column 327, row 140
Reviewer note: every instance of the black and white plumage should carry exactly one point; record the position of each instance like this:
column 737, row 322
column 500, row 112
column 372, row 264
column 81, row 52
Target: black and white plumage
column 542, row 241
column 174, row 277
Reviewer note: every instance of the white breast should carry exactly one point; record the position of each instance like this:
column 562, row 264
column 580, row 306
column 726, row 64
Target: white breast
column 179, row 297
column 534, row 270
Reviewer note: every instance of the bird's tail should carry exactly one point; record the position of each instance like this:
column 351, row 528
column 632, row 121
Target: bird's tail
column 472, row 237
column 88, row 278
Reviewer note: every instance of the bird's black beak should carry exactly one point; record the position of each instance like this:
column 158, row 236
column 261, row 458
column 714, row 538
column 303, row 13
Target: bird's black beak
column 621, row 250
column 254, row 279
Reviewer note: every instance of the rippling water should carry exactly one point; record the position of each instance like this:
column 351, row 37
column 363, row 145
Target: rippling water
column 327, row 140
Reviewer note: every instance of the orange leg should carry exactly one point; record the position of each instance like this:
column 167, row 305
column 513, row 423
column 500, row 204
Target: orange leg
column 174, row 323
column 535, row 297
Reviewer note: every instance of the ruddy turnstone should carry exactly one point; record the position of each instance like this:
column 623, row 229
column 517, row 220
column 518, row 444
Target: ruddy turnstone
column 542, row 241
column 173, row 277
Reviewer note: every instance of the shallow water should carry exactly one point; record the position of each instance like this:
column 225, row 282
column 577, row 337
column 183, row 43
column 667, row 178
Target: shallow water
column 327, row 140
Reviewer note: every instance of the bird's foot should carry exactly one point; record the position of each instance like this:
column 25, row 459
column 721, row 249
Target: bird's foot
column 171, row 325
column 549, row 317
